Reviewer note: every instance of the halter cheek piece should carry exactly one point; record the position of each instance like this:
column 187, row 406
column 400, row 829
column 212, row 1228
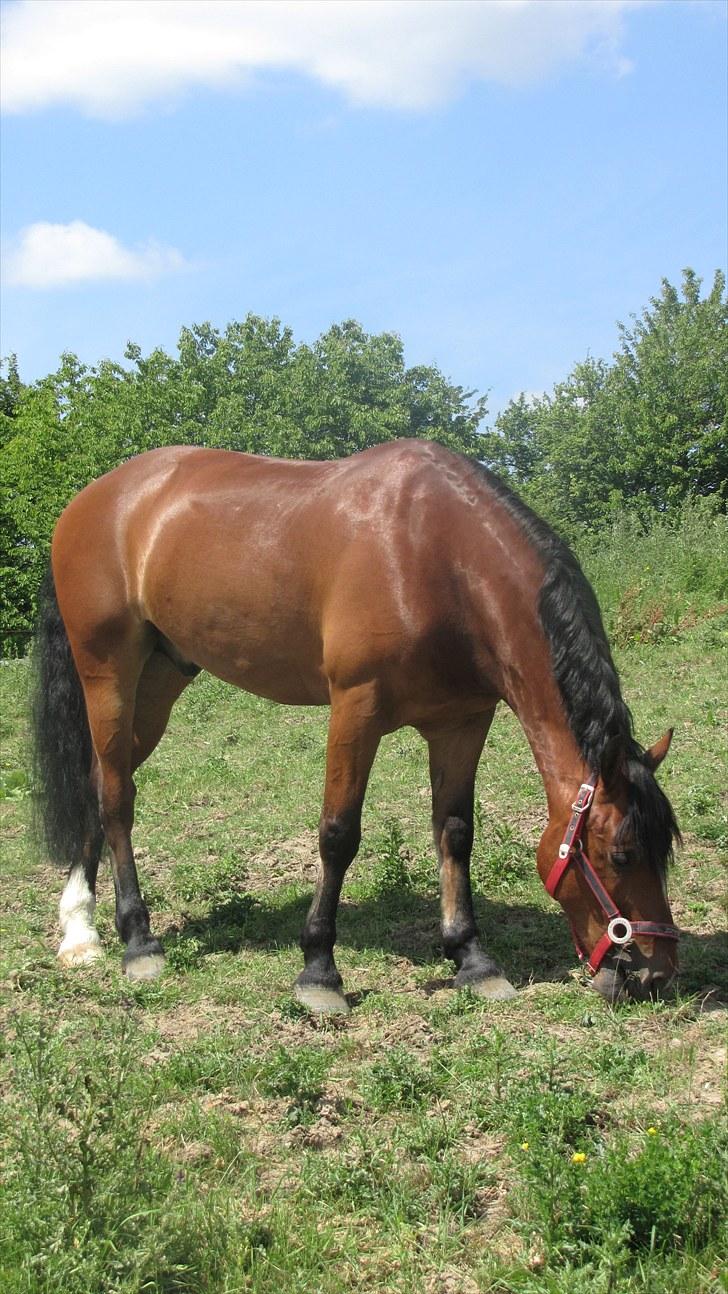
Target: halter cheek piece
column 619, row 931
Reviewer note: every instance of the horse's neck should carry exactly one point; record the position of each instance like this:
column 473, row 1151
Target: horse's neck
column 534, row 696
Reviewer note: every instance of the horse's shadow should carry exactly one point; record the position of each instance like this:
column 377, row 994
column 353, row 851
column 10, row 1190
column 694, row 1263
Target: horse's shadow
column 527, row 941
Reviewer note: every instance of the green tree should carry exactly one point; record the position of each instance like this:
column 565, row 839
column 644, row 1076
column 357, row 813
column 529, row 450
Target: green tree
column 669, row 393
column 643, row 432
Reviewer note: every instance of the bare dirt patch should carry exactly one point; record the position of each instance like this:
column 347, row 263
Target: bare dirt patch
column 285, row 861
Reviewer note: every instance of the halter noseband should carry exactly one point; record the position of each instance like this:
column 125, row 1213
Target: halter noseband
column 619, row 931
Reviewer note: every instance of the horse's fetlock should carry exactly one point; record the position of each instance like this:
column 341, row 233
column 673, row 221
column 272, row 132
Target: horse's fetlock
column 457, row 937
column 132, row 920
column 318, row 934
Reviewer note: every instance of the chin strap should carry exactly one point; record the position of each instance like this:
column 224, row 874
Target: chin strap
column 619, row 930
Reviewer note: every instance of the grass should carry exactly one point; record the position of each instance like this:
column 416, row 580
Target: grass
column 202, row 1133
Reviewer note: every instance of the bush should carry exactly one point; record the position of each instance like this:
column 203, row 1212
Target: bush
column 657, row 577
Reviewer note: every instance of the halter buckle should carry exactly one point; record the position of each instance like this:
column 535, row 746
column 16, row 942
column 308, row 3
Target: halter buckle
column 620, row 936
column 581, row 805
column 564, row 850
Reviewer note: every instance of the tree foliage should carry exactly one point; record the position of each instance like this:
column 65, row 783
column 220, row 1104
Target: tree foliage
column 643, row 432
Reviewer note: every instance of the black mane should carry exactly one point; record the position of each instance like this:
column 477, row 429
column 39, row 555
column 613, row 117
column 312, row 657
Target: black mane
column 588, row 680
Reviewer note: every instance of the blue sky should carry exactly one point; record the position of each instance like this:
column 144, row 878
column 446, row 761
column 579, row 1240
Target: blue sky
column 499, row 183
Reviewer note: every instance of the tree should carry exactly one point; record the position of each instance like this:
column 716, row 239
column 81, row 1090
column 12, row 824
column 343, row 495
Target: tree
column 669, row 393
column 643, row 432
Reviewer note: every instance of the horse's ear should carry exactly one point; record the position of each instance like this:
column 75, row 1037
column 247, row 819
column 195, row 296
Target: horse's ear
column 655, row 755
column 612, row 762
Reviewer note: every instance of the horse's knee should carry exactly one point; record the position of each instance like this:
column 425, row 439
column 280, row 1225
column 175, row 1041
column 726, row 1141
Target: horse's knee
column 456, row 838
column 339, row 838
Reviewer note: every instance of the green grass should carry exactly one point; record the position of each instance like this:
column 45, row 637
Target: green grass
column 202, row 1133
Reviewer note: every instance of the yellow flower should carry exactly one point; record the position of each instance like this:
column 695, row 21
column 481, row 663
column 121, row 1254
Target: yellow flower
column 578, row 1157
column 652, row 1132
column 524, row 1145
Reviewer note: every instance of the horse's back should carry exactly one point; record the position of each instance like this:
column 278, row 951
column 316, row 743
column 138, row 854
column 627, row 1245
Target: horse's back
column 285, row 577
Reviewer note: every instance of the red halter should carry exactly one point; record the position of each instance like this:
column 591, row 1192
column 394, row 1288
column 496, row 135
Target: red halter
column 619, row 931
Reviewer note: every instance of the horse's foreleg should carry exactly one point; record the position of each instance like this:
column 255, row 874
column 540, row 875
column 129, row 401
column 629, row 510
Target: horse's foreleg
column 454, row 759
column 354, row 735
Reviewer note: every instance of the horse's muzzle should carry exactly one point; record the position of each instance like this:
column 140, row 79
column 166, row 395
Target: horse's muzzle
column 625, row 977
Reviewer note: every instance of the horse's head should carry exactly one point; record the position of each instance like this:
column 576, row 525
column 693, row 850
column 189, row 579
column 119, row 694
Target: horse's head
column 610, row 873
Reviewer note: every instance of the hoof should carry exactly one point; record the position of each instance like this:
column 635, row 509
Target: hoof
column 145, row 967
column 496, row 988
column 80, row 954
column 321, row 1000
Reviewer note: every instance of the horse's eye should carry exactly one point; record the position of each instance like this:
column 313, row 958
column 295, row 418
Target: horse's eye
column 622, row 857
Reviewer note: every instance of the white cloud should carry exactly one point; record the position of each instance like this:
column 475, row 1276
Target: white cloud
column 49, row 256
column 112, row 57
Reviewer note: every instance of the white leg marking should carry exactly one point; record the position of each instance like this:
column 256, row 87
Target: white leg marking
column 80, row 942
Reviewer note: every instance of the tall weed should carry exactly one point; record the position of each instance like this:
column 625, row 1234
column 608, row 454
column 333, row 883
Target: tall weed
column 658, row 576
column 87, row 1202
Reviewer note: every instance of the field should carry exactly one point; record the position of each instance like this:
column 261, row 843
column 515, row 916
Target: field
column 202, row 1133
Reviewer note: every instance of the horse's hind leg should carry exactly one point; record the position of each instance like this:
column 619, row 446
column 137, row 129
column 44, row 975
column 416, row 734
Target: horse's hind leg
column 110, row 687
column 454, row 759
column 159, row 686
column 354, row 735
column 81, row 943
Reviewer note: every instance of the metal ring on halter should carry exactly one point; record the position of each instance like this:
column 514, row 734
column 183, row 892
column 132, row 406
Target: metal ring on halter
column 613, row 930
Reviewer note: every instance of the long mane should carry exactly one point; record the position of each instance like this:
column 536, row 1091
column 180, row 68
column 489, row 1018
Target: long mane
column 588, row 681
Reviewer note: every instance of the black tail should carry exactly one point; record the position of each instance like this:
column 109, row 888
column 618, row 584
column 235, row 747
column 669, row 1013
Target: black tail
column 66, row 809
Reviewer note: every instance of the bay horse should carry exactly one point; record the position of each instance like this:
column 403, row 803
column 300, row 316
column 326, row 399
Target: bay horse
column 405, row 585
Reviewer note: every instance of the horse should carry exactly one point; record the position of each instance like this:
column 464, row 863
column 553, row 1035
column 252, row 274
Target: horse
column 403, row 585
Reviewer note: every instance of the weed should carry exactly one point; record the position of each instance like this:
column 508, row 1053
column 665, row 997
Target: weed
column 390, row 874
column 667, row 1192
column 456, row 1187
column 14, row 784
column 618, row 1064
column 298, row 1076
column 544, row 1116
column 88, row 1203
column 368, row 1178
column 506, row 860
column 398, row 1081
column 183, row 953
column 215, row 1061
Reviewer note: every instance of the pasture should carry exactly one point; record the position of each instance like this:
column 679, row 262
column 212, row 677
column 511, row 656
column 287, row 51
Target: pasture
column 203, row 1133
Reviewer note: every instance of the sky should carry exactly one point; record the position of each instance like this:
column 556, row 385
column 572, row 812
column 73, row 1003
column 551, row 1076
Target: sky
column 498, row 182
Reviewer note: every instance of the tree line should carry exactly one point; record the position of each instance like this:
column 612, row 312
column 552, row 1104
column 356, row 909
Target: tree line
column 642, row 431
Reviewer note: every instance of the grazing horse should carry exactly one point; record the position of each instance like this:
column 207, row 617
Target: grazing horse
column 404, row 585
